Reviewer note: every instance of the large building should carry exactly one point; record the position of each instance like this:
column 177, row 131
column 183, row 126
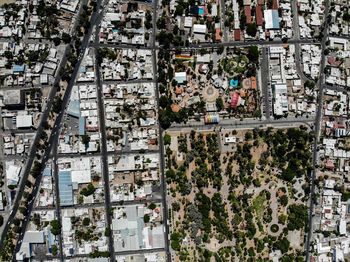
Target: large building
column 280, row 104
column 272, row 20
column 66, row 188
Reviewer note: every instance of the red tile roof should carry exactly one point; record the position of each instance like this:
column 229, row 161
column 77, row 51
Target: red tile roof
column 237, row 35
column 218, row 34
column 248, row 14
column 275, row 4
column 234, row 100
column 259, row 15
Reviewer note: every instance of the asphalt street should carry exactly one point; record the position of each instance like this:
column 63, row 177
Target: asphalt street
column 335, row 88
column 318, row 121
column 112, row 203
column 51, row 150
column 32, row 152
column 296, row 32
column 265, row 88
column 57, row 192
column 54, row 134
column 160, row 132
column 104, row 154
column 120, row 253
column 109, row 153
column 246, row 123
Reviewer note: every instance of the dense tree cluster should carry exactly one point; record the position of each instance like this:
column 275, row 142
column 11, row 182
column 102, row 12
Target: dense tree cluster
column 207, row 216
column 297, row 216
column 89, row 190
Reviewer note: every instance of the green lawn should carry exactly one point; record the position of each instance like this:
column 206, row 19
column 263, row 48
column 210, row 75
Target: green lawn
column 259, row 205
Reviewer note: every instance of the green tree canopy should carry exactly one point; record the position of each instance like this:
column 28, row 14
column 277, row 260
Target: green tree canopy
column 167, row 139
column 252, row 29
column 55, row 227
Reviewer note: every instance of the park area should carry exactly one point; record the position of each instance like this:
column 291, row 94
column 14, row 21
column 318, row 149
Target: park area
column 221, row 82
column 238, row 195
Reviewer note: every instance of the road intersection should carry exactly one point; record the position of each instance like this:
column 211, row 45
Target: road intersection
column 266, row 121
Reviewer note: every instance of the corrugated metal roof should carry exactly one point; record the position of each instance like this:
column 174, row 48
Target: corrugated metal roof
column 65, row 188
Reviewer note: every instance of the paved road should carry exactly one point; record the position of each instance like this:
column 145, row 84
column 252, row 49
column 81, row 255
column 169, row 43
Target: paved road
column 250, row 43
column 340, row 37
column 120, row 253
column 104, row 154
column 55, row 131
column 318, row 121
column 132, row 81
column 18, row 131
column 24, row 87
column 234, row 123
column 32, row 152
column 212, row 45
column 296, row 32
column 160, row 132
column 57, row 192
column 102, row 204
column 335, row 88
column 109, row 153
column 265, row 88
column 104, row 159
column 222, row 20
column 121, row 46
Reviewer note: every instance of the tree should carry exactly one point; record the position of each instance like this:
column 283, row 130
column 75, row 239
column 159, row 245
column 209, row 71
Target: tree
column 253, row 54
column 283, row 200
column 86, row 221
column 179, row 10
column 54, row 250
column 152, row 206
column 89, row 190
column 167, row 139
column 16, row 221
column 165, row 118
column 56, row 41
column 309, row 84
column 107, row 231
column 297, row 216
column 220, row 50
column 97, row 253
column 85, row 139
column 175, row 238
column 248, row 136
column 66, row 38
column 252, row 29
column 219, row 104
column 23, row 210
column 146, row 218
column 55, row 227
column 57, row 104
column 175, row 206
column 346, row 16
column 148, row 20
column 163, row 101
column 282, row 244
column 36, row 169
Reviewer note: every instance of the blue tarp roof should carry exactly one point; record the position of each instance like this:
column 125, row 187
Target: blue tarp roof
column 18, row 68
